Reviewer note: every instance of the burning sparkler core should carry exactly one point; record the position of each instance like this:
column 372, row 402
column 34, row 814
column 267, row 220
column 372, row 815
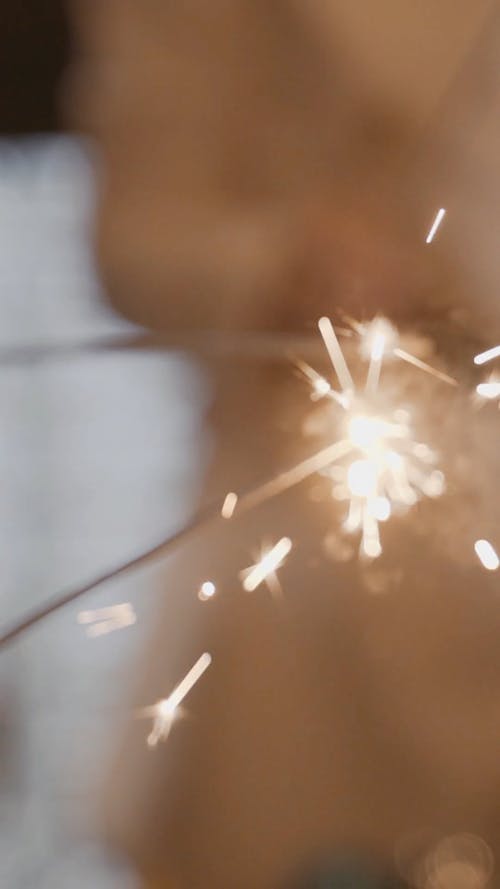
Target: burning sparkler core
column 385, row 469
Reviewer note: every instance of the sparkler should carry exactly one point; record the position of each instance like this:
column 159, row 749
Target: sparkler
column 387, row 469
column 102, row 621
column 164, row 711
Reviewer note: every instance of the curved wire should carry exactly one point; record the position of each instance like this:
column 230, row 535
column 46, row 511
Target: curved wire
column 251, row 498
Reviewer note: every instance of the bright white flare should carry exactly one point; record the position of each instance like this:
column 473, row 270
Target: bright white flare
column 489, row 355
column 486, row 555
column 362, row 479
column 102, row 621
column 267, row 565
column 229, row 505
column 379, row 467
column 321, row 387
column 207, row 590
column 435, row 225
column 164, row 711
column 378, row 338
column 489, row 390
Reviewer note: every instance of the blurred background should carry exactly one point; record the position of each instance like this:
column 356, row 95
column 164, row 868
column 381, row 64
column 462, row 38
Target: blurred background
column 102, row 452
column 99, row 454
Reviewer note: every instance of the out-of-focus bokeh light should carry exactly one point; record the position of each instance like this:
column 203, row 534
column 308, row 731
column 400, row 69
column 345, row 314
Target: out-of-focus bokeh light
column 207, row 590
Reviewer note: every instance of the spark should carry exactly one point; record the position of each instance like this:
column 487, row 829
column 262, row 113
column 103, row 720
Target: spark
column 378, row 466
column 407, row 475
column 102, row 621
column 207, row 590
column 385, row 474
column 376, row 356
column 489, row 355
column 298, row 473
column 320, row 387
column 371, row 335
column 165, row 710
column 229, row 505
column 266, row 567
column 489, row 390
column 422, row 365
column 435, row 225
column 336, row 355
column 486, row 555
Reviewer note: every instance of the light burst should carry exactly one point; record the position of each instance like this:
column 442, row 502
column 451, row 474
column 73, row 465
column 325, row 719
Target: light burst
column 381, row 468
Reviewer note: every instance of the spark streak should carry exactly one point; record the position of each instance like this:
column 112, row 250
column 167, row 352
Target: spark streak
column 422, row 365
column 489, row 390
column 376, row 356
column 207, row 591
column 267, row 565
column 298, row 473
column 164, row 711
column 486, row 555
column 229, row 505
column 489, row 355
column 386, row 467
column 435, row 225
column 336, row 355
column 102, row 621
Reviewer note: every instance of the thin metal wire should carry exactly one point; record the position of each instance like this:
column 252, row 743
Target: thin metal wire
column 251, row 498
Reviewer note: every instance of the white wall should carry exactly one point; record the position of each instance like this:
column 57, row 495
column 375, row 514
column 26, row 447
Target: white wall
column 97, row 458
